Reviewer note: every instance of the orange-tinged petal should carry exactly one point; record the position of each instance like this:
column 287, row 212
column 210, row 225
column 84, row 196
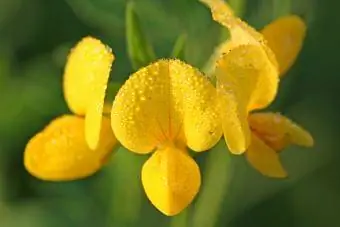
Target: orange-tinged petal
column 264, row 159
column 244, row 82
column 285, row 37
column 164, row 102
column 275, row 128
column 171, row 180
column 60, row 152
column 85, row 81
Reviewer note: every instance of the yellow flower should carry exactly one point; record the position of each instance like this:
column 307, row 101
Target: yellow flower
column 166, row 107
column 247, row 76
column 76, row 146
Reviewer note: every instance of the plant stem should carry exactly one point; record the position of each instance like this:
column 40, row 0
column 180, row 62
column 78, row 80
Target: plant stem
column 216, row 179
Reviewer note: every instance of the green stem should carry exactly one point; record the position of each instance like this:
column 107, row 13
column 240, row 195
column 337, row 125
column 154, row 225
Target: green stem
column 178, row 50
column 181, row 220
column 215, row 185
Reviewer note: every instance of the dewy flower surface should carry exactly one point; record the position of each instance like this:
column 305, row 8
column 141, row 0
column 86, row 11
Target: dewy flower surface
column 86, row 76
column 62, row 151
column 166, row 107
column 247, row 76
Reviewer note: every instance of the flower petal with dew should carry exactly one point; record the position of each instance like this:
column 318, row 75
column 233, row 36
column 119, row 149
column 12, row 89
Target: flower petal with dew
column 163, row 107
column 85, row 80
column 163, row 101
column 60, row 152
column 244, row 83
column 241, row 32
column 247, row 76
column 171, row 179
column 285, row 38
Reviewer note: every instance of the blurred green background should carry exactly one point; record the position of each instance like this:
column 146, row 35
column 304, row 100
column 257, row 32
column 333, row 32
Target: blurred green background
column 35, row 37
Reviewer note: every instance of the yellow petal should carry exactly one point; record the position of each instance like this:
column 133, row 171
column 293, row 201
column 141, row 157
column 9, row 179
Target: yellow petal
column 264, row 159
column 261, row 56
column 85, row 80
column 171, row 180
column 241, row 32
column 163, row 101
column 86, row 74
column 273, row 126
column 60, row 152
column 245, row 82
column 285, row 37
column 93, row 124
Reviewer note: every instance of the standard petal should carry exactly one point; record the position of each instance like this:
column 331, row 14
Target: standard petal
column 264, row 159
column 245, row 82
column 285, row 37
column 60, row 151
column 278, row 131
column 195, row 101
column 163, row 101
column 86, row 75
column 171, row 180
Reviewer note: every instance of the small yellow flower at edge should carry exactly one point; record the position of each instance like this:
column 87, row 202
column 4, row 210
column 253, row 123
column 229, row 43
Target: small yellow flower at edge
column 164, row 108
column 247, row 76
column 76, row 146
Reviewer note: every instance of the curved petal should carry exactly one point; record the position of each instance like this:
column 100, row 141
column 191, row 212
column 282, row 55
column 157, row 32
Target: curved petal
column 94, row 123
column 285, row 37
column 241, row 32
column 278, row 131
column 264, row 159
column 244, row 83
column 85, row 80
column 262, row 56
column 60, row 152
column 171, row 180
column 162, row 102
column 86, row 74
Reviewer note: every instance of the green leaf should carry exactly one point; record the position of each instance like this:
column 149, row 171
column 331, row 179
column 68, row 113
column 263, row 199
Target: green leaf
column 107, row 16
column 140, row 50
column 178, row 50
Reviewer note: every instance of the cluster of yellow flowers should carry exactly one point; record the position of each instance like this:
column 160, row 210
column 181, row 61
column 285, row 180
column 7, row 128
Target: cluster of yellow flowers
column 169, row 106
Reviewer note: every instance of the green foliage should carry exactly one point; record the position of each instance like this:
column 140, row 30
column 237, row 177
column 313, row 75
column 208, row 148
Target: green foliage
column 139, row 49
column 178, row 50
column 35, row 37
